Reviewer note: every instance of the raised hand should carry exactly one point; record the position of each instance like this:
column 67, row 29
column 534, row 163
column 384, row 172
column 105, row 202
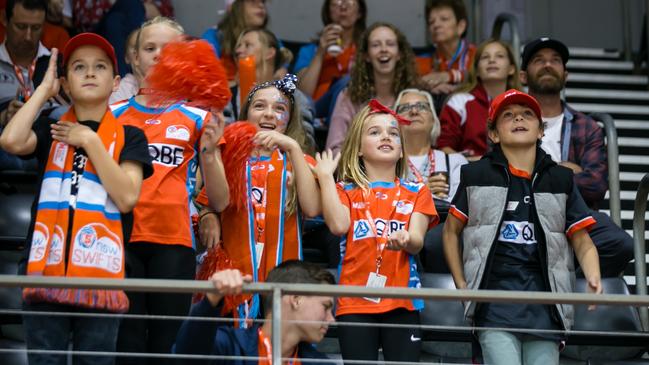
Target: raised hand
column 212, row 133
column 271, row 140
column 50, row 85
column 327, row 163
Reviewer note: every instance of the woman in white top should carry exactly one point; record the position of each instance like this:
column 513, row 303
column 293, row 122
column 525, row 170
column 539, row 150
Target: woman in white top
column 435, row 168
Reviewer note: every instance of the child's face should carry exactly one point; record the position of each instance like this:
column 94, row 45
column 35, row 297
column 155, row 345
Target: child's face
column 249, row 45
column 254, row 13
column 381, row 139
column 89, row 77
column 270, row 109
column 516, row 126
column 494, row 64
column 152, row 39
column 383, row 50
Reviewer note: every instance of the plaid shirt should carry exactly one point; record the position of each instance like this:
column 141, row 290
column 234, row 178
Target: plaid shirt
column 586, row 148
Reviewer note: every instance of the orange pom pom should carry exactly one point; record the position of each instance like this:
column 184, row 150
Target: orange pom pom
column 189, row 71
column 235, row 153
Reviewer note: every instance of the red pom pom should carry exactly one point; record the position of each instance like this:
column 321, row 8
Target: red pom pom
column 235, row 153
column 189, row 71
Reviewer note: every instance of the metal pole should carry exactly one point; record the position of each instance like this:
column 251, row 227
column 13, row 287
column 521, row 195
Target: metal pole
column 476, row 31
column 639, row 249
column 626, row 29
column 277, row 326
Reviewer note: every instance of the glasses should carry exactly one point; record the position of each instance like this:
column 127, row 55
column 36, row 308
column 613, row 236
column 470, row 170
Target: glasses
column 343, row 3
column 419, row 106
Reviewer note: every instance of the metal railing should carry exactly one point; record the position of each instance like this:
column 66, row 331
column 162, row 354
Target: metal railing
column 639, row 251
column 512, row 22
column 279, row 289
column 613, row 165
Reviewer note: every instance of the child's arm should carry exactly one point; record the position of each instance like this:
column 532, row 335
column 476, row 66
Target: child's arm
column 213, row 172
column 336, row 214
column 588, row 258
column 412, row 240
column 451, row 237
column 18, row 137
column 121, row 181
column 308, row 193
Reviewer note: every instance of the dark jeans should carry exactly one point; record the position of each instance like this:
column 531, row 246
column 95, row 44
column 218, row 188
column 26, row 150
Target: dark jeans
column 48, row 332
column 155, row 261
column 432, row 255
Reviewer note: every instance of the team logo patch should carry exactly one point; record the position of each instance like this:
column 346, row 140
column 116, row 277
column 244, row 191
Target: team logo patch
column 177, row 132
column 404, row 207
column 152, row 122
column 56, row 249
column 86, row 236
column 517, row 232
column 362, row 229
column 39, row 242
column 60, row 151
column 512, row 205
column 105, row 251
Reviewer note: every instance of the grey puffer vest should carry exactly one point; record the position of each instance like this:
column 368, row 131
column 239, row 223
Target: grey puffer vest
column 486, row 183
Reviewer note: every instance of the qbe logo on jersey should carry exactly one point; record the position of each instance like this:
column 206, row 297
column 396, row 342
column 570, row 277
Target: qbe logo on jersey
column 363, row 230
column 167, row 154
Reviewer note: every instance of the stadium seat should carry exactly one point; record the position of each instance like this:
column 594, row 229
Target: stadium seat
column 608, row 319
column 444, row 344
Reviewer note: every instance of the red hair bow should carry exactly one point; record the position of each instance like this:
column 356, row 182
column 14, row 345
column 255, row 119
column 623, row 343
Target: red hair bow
column 377, row 107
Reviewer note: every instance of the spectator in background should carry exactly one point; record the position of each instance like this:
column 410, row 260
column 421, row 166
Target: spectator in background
column 464, row 116
column 241, row 14
column 53, row 34
column 321, row 64
column 59, row 12
column 452, row 56
column 384, row 66
column 23, row 62
column 440, row 171
column 269, row 58
column 116, row 19
column 129, row 85
column 576, row 141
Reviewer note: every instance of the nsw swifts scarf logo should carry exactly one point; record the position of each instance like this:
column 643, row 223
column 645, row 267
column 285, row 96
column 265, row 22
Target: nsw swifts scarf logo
column 96, row 247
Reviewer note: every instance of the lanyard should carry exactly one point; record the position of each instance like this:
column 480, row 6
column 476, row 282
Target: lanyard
column 382, row 239
column 26, row 90
column 458, row 52
column 417, row 173
column 257, row 213
column 268, row 359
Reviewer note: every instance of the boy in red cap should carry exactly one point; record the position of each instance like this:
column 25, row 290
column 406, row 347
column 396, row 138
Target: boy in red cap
column 91, row 171
column 521, row 216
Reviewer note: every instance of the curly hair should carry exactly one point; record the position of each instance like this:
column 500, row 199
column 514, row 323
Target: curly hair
column 361, row 86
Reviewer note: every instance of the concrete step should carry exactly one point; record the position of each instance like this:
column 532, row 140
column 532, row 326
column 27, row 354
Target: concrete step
column 600, row 65
column 600, row 53
column 612, row 108
column 624, row 95
column 604, row 78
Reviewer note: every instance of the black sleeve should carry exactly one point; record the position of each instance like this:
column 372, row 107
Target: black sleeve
column 460, row 201
column 41, row 128
column 577, row 212
column 136, row 148
column 198, row 337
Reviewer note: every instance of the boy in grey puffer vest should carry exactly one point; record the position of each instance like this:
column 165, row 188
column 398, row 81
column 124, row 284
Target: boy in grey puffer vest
column 521, row 216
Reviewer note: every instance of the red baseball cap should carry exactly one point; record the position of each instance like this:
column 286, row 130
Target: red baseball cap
column 509, row 97
column 89, row 39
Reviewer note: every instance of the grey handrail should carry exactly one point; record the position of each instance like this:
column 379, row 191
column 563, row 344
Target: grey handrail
column 511, row 20
column 613, row 165
column 639, row 249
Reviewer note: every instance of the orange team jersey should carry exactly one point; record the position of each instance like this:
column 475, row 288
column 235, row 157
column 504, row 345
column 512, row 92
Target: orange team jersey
column 272, row 236
column 162, row 214
column 392, row 205
column 334, row 68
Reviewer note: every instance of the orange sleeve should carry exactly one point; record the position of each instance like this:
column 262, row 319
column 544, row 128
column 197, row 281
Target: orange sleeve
column 342, row 194
column 585, row 223
column 201, row 198
column 425, row 205
column 458, row 214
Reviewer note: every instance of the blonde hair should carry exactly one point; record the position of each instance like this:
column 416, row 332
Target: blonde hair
column 437, row 128
column 352, row 168
column 155, row 21
column 295, row 130
column 473, row 79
